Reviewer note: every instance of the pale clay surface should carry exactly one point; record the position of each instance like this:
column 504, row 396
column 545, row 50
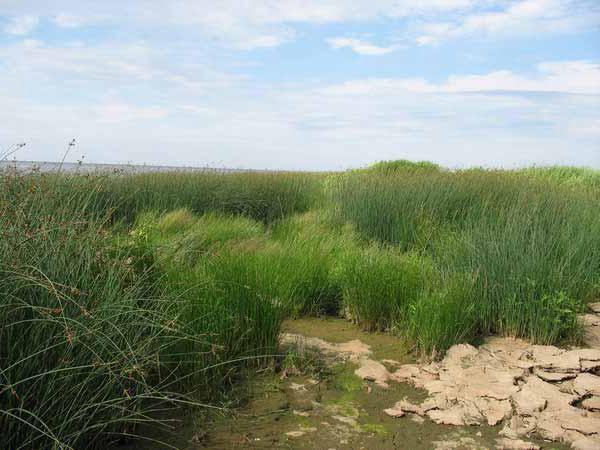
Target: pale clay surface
column 532, row 390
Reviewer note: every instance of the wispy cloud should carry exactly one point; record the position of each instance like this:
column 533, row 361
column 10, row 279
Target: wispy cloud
column 266, row 23
column 361, row 47
column 118, row 64
column 524, row 17
column 70, row 20
column 130, row 77
column 569, row 77
column 22, row 25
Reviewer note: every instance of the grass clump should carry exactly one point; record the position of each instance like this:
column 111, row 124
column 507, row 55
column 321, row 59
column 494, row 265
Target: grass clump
column 83, row 334
column 379, row 284
column 518, row 240
column 403, row 166
column 442, row 316
column 262, row 196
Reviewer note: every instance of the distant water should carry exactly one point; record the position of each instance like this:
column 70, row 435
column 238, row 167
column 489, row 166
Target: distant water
column 45, row 166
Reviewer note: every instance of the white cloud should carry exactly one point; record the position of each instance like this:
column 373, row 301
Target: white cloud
column 111, row 63
column 278, row 126
column 182, row 91
column 572, row 77
column 22, row 25
column 268, row 23
column 524, row 17
column 361, row 47
column 69, row 20
column 241, row 24
column 251, row 42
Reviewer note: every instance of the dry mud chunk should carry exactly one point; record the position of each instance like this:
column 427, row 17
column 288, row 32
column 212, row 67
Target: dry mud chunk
column 530, row 387
column 437, row 402
column 515, row 444
column 494, row 411
column 410, row 407
column 478, row 381
column 402, row 407
column 555, row 399
column 592, row 336
column 355, row 348
column 348, row 350
column 590, row 320
column 412, row 373
column 394, row 411
column 591, row 354
column 465, row 413
column 406, row 372
column 559, row 425
column 591, row 404
column 587, row 384
column 518, row 426
column 528, row 402
column 458, row 352
column 554, row 376
column 591, row 326
column 555, row 360
column 371, row 370
column 585, row 443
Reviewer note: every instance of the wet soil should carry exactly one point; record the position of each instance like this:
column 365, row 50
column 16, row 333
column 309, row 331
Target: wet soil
column 329, row 406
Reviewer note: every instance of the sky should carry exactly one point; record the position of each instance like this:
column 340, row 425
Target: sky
column 302, row 84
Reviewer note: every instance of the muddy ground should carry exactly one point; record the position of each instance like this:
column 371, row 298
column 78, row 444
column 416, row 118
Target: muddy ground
column 345, row 389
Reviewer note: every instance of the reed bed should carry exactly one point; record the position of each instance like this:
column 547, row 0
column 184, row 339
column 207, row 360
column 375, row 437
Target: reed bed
column 122, row 295
column 524, row 248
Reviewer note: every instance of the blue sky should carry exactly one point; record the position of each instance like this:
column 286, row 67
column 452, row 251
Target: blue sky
column 302, row 84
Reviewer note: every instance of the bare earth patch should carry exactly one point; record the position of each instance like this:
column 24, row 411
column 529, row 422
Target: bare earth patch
column 531, row 389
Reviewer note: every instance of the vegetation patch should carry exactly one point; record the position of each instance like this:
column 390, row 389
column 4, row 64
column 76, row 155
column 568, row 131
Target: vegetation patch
column 122, row 295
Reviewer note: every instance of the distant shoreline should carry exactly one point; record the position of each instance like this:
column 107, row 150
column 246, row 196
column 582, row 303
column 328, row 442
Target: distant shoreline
column 49, row 166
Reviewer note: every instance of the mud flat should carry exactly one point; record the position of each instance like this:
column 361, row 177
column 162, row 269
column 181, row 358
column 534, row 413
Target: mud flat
column 368, row 392
column 531, row 390
column 356, row 403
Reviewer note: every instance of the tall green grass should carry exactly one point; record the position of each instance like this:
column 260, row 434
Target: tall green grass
column 97, row 330
column 379, row 284
column 82, row 333
column 120, row 292
column 529, row 248
column 262, row 196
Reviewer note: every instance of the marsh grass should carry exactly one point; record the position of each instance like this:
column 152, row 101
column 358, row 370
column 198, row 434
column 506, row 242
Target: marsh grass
column 81, row 331
column 118, row 293
column 262, row 196
column 527, row 248
column 96, row 333
column 379, row 284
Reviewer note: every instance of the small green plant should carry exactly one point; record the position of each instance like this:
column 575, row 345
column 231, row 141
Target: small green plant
column 304, row 361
